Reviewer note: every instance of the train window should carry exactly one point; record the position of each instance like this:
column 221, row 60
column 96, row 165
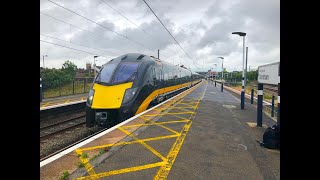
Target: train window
column 106, row 73
column 125, row 72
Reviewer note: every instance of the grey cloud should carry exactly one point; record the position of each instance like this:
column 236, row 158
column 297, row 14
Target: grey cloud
column 197, row 26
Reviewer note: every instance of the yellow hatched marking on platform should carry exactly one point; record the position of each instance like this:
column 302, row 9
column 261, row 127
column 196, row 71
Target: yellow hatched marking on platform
column 168, row 122
column 158, row 110
column 160, row 125
column 131, row 142
column 144, row 144
column 67, row 101
column 188, row 101
column 46, row 104
column 177, row 116
column 184, row 109
column 125, row 170
column 170, row 157
column 188, row 104
column 87, row 165
column 169, row 113
column 176, row 107
column 163, row 172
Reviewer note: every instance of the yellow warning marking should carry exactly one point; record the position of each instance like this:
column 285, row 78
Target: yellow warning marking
column 46, row 104
column 131, row 142
column 165, row 165
column 160, row 125
column 168, row 122
column 178, row 116
column 169, row 113
column 187, row 104
column 164, row 170
column 176, row 107
column 125, row 170
column 183, row 109
column 67, row 101
column 190, row 101
column 144, row 144
column 86, row 163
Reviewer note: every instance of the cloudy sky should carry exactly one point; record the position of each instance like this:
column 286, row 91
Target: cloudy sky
column 203, row 28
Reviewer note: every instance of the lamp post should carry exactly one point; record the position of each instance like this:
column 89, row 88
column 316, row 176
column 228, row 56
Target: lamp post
column 243, row 85
column 94, row 65
column 221, row 74
column 215, row 74
column 43, row 60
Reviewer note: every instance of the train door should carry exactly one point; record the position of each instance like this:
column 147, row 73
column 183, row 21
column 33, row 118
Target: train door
column 157, row 78
column 161, row 88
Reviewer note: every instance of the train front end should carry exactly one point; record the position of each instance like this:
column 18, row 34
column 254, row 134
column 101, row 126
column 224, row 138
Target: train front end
column 111, row 97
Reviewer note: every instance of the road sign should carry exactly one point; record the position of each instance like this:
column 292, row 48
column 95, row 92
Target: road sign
column 269, row 73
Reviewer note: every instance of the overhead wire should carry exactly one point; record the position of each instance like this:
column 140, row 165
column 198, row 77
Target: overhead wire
column 72, row 42
column 73, row 48
column 100, row 25
column 131, row 22
column 195, row 62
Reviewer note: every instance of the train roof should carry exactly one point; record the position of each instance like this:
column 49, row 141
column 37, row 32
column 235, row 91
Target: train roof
column 143, row 57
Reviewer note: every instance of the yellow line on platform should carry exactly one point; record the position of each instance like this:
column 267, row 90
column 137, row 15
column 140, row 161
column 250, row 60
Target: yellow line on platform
column 169, row 113
column 131, row 142
column 125, row 170
column 46, row 104
column 188, row 104
column 144, row 144
column 165, row 169
column 183, row 109
column 86, row 163
column 160, row 125
column 167, row 122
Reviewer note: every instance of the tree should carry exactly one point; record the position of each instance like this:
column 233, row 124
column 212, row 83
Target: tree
column 69, row 68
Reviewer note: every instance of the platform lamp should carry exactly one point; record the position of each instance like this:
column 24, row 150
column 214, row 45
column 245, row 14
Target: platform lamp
column 221, row 74
column 43, row 59
column 94, row 65
column 243, row 64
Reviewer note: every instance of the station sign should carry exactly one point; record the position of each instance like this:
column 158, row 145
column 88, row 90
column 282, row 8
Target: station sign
column 269, row 73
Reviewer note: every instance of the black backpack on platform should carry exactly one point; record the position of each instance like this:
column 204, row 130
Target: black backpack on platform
column 271, row 137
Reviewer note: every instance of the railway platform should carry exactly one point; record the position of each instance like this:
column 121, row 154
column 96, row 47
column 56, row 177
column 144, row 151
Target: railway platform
column 63, row 100
column 198, row 134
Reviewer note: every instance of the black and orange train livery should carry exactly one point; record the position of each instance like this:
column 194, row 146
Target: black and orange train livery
column 126, row 85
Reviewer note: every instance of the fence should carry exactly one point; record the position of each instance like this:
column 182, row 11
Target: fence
column 76, row 86
column 269, row 94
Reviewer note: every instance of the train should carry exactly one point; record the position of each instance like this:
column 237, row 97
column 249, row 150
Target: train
column 129, row 84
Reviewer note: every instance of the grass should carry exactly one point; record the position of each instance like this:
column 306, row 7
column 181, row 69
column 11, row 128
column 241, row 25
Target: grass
column 267, row 96
column 100, row 153
column 80, row 164
column 84, row 155
column 65, row 175
column 67, row 90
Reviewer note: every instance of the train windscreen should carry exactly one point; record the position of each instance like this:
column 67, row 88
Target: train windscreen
column 126, row 72
column 106, row 73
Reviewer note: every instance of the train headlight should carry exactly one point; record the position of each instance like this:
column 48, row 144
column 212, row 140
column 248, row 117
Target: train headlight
column 129, row 94
column 90, row 97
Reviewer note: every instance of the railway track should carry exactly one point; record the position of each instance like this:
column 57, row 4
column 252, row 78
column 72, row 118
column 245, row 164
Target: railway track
column 60, row 127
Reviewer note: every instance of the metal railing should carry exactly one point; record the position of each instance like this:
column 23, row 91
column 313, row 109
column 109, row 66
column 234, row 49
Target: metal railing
column 56, row 88
column 269, row 95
